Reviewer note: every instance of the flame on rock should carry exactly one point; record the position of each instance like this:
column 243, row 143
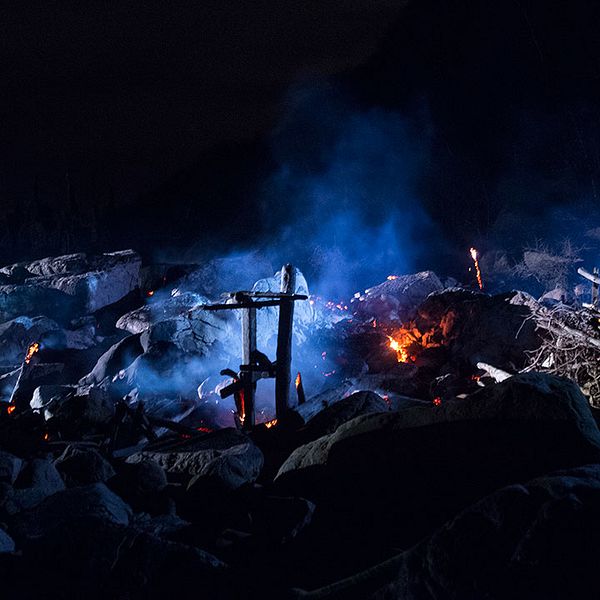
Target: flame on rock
column 270, row 424
column 33, row 348
column 400, row 349
column 11, row 409
column 392, row 277
column 298, row 382
column 475, row 257
column 150, row 293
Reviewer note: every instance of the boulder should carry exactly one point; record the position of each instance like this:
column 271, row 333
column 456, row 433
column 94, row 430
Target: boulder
column 32, row 376
column 82, row 466
column 96, row 557
column 392, row 470
column 330, row 418
column 32, row 299
column 47, row 398
column 522, row 542
column 36, row 482
column 398, row 297
column 226, row 457
column 18, row 334
column 62, row 509
column 6, row 542
column 10, row 467
column 116, row 358
column 111, row 277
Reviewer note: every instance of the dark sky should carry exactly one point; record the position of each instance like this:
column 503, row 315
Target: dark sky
column 145, row 86
column 151, row 124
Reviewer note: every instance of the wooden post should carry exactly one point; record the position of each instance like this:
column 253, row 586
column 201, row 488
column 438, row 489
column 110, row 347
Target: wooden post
column 247, row 378
column 283, row 377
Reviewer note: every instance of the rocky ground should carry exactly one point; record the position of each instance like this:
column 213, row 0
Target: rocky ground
column 442, row 467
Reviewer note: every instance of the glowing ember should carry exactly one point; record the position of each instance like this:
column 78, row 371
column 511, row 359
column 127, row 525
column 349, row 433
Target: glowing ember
column 150, row 293
column 270, row 424
column 392, row 277
column 437, row 401
column 475, row 258
column 46, row 437
column 11, row 409
column 33, row 348
column 298, row 380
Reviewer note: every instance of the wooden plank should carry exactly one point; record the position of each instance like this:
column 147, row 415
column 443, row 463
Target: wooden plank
column 589, row 276
column 247, row 377
column 283, row 378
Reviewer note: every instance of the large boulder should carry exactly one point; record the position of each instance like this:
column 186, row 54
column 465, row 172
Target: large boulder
column 63, row 508
column 18, row 334
column 400, row 474
column 110, row 277
column 32, row 299
column 82, row 466
column 398, row 297
column 226, row 457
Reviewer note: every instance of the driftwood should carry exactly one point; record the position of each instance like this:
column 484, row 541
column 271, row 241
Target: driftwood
column 570, row 347
column 494, row 372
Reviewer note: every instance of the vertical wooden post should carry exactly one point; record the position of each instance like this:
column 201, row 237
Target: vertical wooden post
column 247, row 377
column 595, row 289
column 283, row 377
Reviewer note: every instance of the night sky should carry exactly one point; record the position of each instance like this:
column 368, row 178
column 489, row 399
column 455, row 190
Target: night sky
column 161, row 126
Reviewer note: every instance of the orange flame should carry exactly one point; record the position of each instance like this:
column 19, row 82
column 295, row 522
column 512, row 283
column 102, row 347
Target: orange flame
column 270, row 424
column 11, row 409
column 475, row 258
column 400, row 349
column 46, row 437
column 437, row 401
column 298, row 380
column 33, row 348
column 392, row 277
column 150, row 293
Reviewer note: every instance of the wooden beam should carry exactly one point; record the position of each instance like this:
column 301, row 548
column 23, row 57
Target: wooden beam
column 283, row 378
column 247, row 377
column 589, row 276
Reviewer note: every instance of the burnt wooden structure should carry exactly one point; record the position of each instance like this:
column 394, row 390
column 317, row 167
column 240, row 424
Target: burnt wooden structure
column 255, row 365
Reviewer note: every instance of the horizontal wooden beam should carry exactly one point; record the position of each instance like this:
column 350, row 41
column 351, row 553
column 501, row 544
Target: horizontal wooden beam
column 589, row 276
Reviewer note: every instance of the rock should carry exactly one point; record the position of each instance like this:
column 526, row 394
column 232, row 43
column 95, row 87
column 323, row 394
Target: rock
column 83, row 412
column 82, row 466
column 330, row 418
column 33, row 375
column 226, row 457
column 10, row 467
column 267, row 319
column 522, row 542
column 36, row 482
column 110, row 277
column 7, row 384
column 63, row 508
column 116, row 358
column 6, row 542
column 17, row 335
column 46, row 398
column 116, row 561
column 528, row 425
column 32, row 300
column 475, row 327
column 397, row 298
column 141, row 485
column 160, row 309
column 59, row 265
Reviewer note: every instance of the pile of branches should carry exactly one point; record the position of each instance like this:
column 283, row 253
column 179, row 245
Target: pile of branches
column 570, row 346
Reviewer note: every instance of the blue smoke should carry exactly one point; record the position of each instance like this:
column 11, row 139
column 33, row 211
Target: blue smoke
column 343, row 203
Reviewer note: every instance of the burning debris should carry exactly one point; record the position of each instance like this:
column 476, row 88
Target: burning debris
column 128, row 404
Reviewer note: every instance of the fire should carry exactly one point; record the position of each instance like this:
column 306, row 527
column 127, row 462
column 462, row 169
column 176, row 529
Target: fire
column 46, row 437
column 474, row 256
column 33, row 348
column 400, row 349
column 270, row 424
column 11, row 409
column 150, row 293
column 392, row 277
column 437, row 401
column 298, row 380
